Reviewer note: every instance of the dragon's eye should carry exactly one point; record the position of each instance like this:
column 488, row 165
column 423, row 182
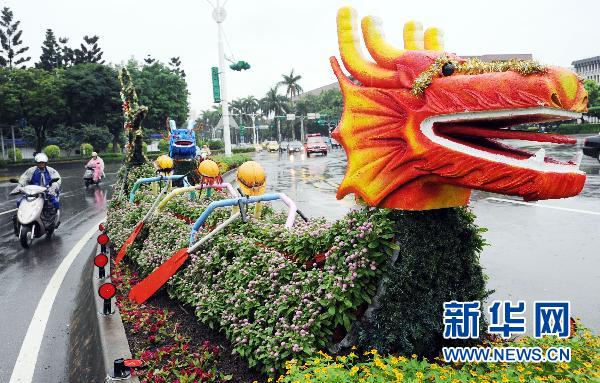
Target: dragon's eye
column 448, row 69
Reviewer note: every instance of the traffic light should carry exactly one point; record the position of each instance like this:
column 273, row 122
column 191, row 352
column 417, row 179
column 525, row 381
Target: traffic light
column 240, row 65
column 242, row 130
column 216, row 86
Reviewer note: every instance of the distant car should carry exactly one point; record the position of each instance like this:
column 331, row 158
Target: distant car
column 294, row 147
column 315, row 144
column 335, row 144
column 591, row 147
column 283, row 146
column 272, row 146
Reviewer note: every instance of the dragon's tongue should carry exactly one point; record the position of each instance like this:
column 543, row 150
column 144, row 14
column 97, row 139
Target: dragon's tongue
column 504, row 133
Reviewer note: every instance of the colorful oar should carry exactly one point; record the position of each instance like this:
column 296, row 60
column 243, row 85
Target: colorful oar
column 147, row 287
column 138, row 227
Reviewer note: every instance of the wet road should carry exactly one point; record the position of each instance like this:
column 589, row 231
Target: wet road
column 547, row 250
column 24, row 274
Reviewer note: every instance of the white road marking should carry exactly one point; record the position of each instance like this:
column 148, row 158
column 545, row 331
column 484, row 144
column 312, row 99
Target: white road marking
column 27, row 359
column 541, row 205
column 8, row 211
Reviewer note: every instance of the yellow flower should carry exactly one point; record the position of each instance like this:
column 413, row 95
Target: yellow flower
column 414, row 356
column 522, row 379
column 473, row 373
column 353, row 370
column 419, row 375
column 270, row 380
column 352, row 355
column 520, row 368
column 504, row 379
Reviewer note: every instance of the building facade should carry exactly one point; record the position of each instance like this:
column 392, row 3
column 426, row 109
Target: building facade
column 588, row 69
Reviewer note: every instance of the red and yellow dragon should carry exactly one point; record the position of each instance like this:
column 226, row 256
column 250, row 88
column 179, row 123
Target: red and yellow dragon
column 420, row 126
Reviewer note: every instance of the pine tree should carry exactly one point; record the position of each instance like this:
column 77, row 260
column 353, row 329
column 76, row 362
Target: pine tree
column 67, row 54
column 175, row 65
column 51, row 55
column 90, row 52
column 10, row 41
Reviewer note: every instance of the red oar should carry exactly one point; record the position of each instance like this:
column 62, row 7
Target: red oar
column 149, row 285
column 138, row 228
column 129, row 241
column 146, row 288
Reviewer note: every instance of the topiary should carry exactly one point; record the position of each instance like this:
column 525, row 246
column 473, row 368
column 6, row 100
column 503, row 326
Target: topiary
column 216, row 144
column 17, row 153
column 438, row 261
column 86, row 149
column 52, row 151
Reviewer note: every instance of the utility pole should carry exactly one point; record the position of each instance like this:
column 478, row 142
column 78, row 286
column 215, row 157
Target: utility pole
column 219, row 15
column 12, row 131
column 2, row 139
column 279, row 129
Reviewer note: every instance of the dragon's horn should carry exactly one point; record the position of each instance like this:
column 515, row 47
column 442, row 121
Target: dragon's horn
column 363, row 70
column 413, row 35
column 382, row 52
column 434, row 39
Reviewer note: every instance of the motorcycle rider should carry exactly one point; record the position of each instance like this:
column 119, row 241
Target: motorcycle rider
column 41, row 175
column 98, row 165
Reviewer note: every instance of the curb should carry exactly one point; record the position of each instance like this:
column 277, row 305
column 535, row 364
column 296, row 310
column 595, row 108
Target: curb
column 96, row 339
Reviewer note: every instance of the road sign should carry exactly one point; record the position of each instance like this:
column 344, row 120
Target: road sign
column 215, row 83
column 263, row 127
column 311, row 116
column 290, row 116
column 317, row 115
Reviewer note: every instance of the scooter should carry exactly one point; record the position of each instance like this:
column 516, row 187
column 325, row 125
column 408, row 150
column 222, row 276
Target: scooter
column 36, row 216
column 88, row 177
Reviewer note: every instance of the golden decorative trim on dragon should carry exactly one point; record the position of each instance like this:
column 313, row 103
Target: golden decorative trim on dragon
column 421, row 127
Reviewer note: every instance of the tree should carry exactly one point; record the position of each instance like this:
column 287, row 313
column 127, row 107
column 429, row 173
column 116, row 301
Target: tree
column 89, row 52
column 593, row 90
column 51, row 55
column 39, row 100
column 274, row 103
column 67, row 54
column 291, row 83
column 175, row 65
column 149, row 60
column 163, row 92
column 91, row 93
column 10, row 41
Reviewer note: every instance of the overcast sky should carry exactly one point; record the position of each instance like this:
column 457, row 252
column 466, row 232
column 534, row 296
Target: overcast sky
column 275, row 36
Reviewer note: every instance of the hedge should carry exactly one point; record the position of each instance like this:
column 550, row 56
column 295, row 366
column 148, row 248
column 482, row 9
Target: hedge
column 11, row 155
column 585, row 128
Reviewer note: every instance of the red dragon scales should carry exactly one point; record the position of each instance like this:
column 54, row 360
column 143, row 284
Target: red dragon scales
column 421, row 127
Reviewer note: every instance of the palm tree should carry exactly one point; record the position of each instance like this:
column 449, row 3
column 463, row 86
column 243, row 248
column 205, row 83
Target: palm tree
column 291, row 83
column 274, row 103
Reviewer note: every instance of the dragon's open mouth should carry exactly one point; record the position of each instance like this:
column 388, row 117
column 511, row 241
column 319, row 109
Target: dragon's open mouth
column 477, row 134
column 183, row 143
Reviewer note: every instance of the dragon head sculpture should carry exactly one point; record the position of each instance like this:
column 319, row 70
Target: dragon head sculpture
column 421, row 127
column 182, row 143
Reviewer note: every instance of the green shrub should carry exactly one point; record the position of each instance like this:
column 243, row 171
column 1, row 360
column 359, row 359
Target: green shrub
column 109, row 148
column 163, row 145
column 227, row 163
column 86, row 149
column 243, row 150
column 216, row 144
column 17, row 153
column 438, row 262
column 52, row 151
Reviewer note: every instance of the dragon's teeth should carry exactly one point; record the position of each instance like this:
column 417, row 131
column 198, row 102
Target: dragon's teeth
column 577, row 159
column 539, row 155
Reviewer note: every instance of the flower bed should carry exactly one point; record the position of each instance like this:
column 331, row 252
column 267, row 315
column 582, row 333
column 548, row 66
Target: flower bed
column 372, row 367
column 167, row 355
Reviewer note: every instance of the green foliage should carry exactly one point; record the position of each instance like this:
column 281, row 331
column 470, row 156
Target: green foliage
column 418, row 285
column 51, row 55
column 52, row 151
column 163, row 91
column 593, row 90
column 163, row 146
column 86, row 149
column 227, row 163
column 576, row 128
column 216, row 144
column 583, row 367
column 11, row 52
column 11, row 154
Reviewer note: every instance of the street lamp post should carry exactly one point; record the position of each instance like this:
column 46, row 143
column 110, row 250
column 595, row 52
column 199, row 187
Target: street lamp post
column 219, row 15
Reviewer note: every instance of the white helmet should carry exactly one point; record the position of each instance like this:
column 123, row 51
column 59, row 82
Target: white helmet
column 41, row 157
column 94, row 154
